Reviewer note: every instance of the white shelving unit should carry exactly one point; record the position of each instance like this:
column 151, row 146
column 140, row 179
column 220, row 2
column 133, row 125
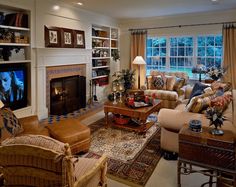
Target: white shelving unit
column 104, row 40
column 15, row 41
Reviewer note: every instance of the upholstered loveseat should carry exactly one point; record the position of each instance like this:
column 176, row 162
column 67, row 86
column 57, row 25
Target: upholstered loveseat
column 166, row 86
column 172, row 120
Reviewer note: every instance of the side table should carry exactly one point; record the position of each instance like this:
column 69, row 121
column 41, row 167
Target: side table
column 215, row 154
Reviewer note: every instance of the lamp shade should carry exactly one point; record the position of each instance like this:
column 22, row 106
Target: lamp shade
column 139, row 60
column 1, row 104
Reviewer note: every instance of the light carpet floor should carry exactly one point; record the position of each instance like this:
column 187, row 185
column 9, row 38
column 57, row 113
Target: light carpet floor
column 165, row 174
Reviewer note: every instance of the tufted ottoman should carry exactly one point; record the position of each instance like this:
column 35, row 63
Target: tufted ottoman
column 73, row 132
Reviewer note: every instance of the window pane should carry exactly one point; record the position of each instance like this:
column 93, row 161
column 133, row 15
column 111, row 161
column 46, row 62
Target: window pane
column 218, row 62
column 155, row 42
column 218, row 40
column 180, row 61
column 148, row 61
column 180, row 51
column 201, row 41
column 201, row 61
column 149, row 42
column 173, row 51
column 149, row 51
column 162, row 42
column 209, row 62
column 163, row 52
column 210, row 51
column 218, row 51
column 155, row 51
column 173, row 42
column 173, row 62
column 181, row 42
column 163, row 61
column 210, row 41
column 188, row 62
column 188, row 41
column 201, row 51
column 189, row 51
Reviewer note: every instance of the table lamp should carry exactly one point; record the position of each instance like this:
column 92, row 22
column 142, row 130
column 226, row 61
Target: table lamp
column 139, row 61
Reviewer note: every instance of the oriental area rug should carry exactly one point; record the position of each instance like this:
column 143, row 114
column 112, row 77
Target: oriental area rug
column 132, row 157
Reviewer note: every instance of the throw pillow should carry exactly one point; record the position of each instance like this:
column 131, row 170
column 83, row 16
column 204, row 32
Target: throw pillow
column 170, row 82
column 179, row 83
column 149, row 82
column 9, row 124
column 198, row 89
column 157, row 83
column 223, row 101
column 226, row 86
column 200, row 103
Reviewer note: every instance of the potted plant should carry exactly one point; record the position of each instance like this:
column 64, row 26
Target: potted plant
column 125, row 77
column 216, row 118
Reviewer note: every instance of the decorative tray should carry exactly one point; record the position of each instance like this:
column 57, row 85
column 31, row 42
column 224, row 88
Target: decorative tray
column 139, row 104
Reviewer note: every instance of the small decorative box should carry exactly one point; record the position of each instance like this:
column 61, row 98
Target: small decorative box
column 195, row 125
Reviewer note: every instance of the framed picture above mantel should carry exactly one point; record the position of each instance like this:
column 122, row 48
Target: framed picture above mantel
column 63, row 37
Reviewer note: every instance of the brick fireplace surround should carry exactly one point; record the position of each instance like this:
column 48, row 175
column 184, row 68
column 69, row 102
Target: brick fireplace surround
column 56, row 63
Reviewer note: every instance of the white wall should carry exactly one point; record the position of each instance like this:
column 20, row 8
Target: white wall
column 185, row 19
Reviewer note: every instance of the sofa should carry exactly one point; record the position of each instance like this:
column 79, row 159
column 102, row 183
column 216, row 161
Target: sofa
column 172, row 120
column 68, row 131
column 165, row 86
column 38, row 160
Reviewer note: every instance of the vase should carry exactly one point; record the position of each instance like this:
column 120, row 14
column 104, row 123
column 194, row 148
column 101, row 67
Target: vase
column 217, row 131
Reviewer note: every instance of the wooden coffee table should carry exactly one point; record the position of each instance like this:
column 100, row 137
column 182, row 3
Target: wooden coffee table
column 137, row 113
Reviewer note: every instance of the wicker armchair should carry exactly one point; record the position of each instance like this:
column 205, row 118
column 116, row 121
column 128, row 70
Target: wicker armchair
column 37, row 160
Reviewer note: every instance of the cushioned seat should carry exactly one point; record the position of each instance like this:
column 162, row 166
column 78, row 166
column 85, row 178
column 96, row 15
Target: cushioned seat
column 71, row 131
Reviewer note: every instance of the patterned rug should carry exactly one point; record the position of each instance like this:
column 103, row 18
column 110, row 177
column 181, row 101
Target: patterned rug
column 131, row 161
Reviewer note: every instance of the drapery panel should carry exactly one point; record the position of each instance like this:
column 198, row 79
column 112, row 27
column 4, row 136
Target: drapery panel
column 138, row 48
column 229, row 41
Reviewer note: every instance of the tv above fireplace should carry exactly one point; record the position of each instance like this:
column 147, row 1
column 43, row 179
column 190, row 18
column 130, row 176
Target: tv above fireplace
column 13, row 85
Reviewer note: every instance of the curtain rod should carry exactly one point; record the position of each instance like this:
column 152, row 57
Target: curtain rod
column 190, row 25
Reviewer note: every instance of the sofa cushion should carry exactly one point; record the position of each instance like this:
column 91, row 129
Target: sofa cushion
column 9, row 124
column 201, row 102
column 162, row 94
column 158, row 83
column 226, row 86
column 223, row 101
column 179, row 83
column 198, row 89
column 170, row 82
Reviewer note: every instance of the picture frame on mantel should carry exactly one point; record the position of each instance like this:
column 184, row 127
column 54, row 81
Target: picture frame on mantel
column 79, row 39
column 52, row 36
column 67, row 38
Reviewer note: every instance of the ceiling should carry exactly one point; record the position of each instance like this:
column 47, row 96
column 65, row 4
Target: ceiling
column 129, row 9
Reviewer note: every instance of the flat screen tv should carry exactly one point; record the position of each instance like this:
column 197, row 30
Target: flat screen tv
column 13, row 85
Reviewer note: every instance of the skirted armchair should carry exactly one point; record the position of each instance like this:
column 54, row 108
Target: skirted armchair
column 37, row 160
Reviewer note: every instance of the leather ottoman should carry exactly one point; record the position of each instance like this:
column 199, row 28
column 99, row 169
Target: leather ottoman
column 73, row 132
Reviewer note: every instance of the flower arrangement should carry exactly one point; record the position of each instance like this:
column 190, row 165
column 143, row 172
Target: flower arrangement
column 216, row 118
column 215, row 73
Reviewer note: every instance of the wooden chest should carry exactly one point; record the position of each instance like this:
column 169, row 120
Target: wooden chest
column 207, row 149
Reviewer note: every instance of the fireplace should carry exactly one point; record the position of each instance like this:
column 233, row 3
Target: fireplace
column 67, row 94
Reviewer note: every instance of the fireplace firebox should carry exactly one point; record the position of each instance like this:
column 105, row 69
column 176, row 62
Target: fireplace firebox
column 67, row 94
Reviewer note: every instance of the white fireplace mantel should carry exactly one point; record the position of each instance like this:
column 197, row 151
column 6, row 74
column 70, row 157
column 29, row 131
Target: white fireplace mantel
column 46, row 57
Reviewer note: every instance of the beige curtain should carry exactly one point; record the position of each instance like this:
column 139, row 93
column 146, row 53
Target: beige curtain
column 229, row 40
column 138, row 48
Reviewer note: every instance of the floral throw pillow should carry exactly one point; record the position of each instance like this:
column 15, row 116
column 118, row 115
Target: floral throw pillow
column 9, row 124
column 223, row 101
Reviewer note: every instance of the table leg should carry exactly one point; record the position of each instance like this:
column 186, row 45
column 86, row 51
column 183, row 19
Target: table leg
column 179, row 173
column 106, row 120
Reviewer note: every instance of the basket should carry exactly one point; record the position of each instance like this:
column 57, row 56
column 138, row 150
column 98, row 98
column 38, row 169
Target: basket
column 121, row 120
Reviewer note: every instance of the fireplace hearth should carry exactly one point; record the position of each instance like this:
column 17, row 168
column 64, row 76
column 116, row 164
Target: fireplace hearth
column 67, row 94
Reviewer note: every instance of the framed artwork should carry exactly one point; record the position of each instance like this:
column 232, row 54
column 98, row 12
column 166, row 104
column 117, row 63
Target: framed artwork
column 52, row 36
column 67, row 37
column 79, row 39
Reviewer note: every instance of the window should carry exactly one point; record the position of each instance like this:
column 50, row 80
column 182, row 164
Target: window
column 209, row 50
column 183, row 52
